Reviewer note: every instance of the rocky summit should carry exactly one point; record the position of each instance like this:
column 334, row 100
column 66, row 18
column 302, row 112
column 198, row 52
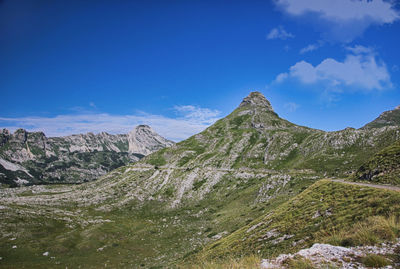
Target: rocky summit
column 32, row 158
column 251, row 186
column 256, row 99
column 144, row 140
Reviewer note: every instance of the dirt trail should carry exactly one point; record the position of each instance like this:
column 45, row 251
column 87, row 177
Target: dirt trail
column 385, row 187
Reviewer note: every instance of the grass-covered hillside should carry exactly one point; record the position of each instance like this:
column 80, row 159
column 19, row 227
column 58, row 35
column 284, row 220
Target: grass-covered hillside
column 254, row 136
column 383, row 167
column 326, row 212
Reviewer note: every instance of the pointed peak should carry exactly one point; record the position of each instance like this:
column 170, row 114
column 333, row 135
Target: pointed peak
column 144, row 126
column 256, row 99
column 141, row 128
column 397, row 107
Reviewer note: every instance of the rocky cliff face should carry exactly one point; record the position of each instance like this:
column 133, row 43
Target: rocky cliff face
column 144, row 140
column 32, row 158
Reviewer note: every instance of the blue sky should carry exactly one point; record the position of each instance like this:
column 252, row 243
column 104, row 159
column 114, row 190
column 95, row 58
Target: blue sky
column 78, row 66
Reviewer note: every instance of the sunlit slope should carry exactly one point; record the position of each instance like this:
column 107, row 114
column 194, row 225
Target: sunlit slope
column 315, row 215
column 383, row 167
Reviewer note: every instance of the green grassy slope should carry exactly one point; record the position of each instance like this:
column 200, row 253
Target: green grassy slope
column 254, row 136
column 383, row 167
column 324, row 209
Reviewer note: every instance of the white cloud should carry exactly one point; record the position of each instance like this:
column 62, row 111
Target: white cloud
column 279, row 33
column 312, row 47
column 345, row 19
column 357, row 49
column 291, row 106
column 309, row 48
column 343, row 10
column 360, row 70
column 281, row 77
column 191, row 121
column 204, row 115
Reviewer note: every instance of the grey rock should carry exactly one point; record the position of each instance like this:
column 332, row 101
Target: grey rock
column 144, row 140
column 256, row 99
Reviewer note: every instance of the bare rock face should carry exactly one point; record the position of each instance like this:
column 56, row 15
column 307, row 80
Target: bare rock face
column 144, row 140
column 256, row 99
column 32, row 158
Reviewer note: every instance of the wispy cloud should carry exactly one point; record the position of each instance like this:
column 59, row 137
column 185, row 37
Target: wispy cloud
column 190, row 121
column 342, row 20
column 312, row 47
column 360, row 70
column 279, row 33
column 291, row 106
column 358, row 49
column 205, row 115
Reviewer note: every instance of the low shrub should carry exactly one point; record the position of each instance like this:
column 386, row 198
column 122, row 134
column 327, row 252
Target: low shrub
column 375, row 261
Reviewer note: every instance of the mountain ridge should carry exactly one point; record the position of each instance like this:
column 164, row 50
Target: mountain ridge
column 85, row 156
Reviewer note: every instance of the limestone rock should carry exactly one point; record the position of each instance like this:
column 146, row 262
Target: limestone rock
column 144, row 140
column 32, row 158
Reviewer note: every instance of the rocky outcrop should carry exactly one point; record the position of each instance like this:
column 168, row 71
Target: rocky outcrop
column 328, row 256
column 256, row 99
column 32, row 158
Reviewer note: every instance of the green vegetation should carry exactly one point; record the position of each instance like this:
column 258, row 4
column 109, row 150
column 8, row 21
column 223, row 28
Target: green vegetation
column 373, row 230
column 375, row 261
column 158, row 236
column 169, row 191
column 299, row 263
column 248, row 262
column 383, row 167
column 198, row 184
column 157, row 160
column 323, row 208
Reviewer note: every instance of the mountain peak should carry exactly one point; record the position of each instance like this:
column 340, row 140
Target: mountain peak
column 143, row 126
column 144, row 140
column 256, row 99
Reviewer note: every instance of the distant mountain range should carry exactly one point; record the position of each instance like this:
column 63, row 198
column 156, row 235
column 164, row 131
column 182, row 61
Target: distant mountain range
column 32, row 158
